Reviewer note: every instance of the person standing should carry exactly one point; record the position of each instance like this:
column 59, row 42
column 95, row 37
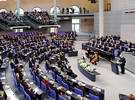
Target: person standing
column 122, row 65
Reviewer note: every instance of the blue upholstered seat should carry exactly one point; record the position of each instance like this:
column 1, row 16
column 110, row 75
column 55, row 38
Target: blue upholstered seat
column 93, row 97
column 65, row 85
column 78, row 91
column 38, row 81
column 43, row 87
column 62, row 98
column 59, row 80
column 52, row 93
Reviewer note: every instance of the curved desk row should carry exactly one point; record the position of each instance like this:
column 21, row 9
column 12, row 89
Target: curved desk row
column 86, row 88
column 88, row 74
column 107, row 55
column 7, row 90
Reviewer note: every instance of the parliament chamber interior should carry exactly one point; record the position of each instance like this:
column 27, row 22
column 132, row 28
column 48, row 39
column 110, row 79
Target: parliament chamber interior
column 67, row 50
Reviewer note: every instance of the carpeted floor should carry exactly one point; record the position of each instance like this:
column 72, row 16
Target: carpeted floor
column 112, row 83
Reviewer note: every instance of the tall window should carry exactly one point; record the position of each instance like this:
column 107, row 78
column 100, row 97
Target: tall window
column 37, row 9
column 76, row 22
column 53, row 30
column 76, row 25
column 21, row 12
column 3, row 10
column 52, row 10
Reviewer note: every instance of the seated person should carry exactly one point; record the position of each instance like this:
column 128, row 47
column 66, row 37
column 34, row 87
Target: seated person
column 32, row 94
column 19, row 77
column 94, row 58
column 70, row 72
column 1, row 86
column 65, row 95
column 89, row 52
column 18, row 69
column 1, row 61
column 16, row 60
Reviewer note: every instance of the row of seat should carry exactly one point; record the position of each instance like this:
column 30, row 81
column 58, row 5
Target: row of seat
column 56, row 77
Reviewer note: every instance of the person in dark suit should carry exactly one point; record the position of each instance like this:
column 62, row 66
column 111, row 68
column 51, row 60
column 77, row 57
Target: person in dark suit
column 16, row 60
column 1, row 86
column 1, row 61
column 70, row 72
column 122, row 65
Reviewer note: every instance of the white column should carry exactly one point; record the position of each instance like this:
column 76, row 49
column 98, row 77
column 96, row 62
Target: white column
column 55, row 10
column 18, row 8
column 101, row 18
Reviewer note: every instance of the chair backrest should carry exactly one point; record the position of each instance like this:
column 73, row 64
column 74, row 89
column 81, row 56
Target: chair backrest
column 65, row 85
column 33, row 75
column 14, row 74
column 59, row 79
column 53, row 75
column 62, row 98
column 52, row 93
column 15, row 82
column 93, row 97
column 43, row 87
column 27, row 96
column 38, row 81
column 78, row 91
column 22, row 89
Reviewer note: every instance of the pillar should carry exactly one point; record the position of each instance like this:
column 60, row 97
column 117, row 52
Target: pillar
column 18, row 8
column 55, row 10
column 101, row 18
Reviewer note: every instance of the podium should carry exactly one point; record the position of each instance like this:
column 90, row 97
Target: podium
column 72, row 53
column 114, row 66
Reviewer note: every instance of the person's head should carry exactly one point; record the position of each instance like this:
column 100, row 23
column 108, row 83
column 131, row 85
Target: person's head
column 21, row 66
column 132, row 97
column 37, row 66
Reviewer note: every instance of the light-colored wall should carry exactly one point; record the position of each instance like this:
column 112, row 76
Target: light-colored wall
column 87, row 25
column 8, row 5
column 47, row 4
column 117, row 5
column 65, row 25
column 112, row 21
column 117, row 23
column 128, row 27
column 128, row 32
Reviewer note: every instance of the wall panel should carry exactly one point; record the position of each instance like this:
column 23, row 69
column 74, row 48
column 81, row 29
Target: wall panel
column 47, row 4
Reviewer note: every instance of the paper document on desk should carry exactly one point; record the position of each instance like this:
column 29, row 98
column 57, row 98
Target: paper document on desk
column 6, row 86
column 36, row 90
column 3, row 78
column 97, row 89
column 74, row 80
column 31, row 83
column 69, row 92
